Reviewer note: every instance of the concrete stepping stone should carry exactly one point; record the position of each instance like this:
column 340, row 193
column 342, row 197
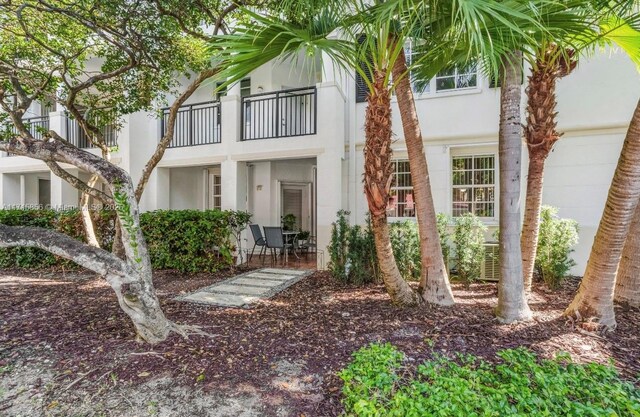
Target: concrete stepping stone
column 245, row 289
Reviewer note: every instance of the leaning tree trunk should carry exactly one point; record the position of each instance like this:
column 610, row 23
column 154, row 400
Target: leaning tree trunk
column 540, row 135
column 131, row 279
column 377, row 183
column 594, row 300
column 434, row 279
column 85, row 214
column 628, row 277
column 512, row 300
column 531, row 223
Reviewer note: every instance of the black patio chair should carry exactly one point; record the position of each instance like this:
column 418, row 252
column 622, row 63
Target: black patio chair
column 258, row 240
column 275, row 240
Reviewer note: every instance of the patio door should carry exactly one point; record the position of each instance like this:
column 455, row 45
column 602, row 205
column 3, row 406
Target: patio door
column 296, row 200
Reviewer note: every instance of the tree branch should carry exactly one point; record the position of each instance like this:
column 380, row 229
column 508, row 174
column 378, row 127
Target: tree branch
column 168, row 136
column 78, row 183
column 115, row 270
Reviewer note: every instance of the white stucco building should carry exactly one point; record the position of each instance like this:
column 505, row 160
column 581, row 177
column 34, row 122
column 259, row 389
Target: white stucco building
column 286, row 141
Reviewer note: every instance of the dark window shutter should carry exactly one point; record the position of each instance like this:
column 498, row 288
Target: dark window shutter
column 362, row 92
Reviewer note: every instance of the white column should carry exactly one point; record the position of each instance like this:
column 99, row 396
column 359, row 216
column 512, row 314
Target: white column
column 234, row 185
column 230, row 120
column 63, row 194
column 11, row 190
column 329, row 200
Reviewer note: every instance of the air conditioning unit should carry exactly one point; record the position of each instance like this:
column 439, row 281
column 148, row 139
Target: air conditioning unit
column 491, row 262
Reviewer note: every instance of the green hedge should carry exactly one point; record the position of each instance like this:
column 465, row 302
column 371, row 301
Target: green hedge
column 186, row 240
column 189, row 240
column 379, row 382
column 68, row 222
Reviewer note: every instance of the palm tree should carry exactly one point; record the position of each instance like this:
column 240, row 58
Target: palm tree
column 594, row 299
column 540, row 135
column 512, row 301
column 584, row 26
column 434, row 279
column 628, row 277
column 271, row 37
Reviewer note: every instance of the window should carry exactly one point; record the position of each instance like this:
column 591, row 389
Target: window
column 215, row 190
column 474, row 185
column 411, row 53
column 401, row 202
column 245, row 87
column 457, row 78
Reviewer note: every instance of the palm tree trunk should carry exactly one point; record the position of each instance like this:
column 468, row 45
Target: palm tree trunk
column 512, row 300
column 531, row 224
column 377, row 183
column 594, row 299
column 540, row 135
column 628, row 278
column 434, row 279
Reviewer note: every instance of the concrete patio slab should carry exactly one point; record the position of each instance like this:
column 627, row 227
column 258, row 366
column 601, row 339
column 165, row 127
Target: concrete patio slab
column 245, row 289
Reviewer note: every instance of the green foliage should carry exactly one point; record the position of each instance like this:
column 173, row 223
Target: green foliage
column 123, row 208
column 555, row 239
column 519, row 384
column 370, row 378
column 468, row 238
column 68, row 222
column 189, row 240
column 442, row 223
column 405, row 242
column 186, row 240
column 352, row 253
column 289, row 221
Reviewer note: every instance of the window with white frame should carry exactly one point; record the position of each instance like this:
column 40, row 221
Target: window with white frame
column 411, row 54
column 214, row 190
column 401, row 203
column 457, row 78
column 474, row 185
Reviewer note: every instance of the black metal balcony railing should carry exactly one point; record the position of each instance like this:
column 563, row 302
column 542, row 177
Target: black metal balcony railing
column 196, row 124
column 76, row 135
column 37, row 126
column 279, row 114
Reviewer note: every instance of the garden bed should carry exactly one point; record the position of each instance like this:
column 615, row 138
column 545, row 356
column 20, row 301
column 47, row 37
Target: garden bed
column 65, row 345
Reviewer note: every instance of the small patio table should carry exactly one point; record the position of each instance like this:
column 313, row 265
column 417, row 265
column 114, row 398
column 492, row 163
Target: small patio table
column 290, row 236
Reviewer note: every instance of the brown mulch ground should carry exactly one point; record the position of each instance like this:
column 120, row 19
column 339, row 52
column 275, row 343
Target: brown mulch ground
column 78, row 327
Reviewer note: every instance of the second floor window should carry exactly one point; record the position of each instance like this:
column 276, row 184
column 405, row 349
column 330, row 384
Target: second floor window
column 474, row 186
column 401, row 203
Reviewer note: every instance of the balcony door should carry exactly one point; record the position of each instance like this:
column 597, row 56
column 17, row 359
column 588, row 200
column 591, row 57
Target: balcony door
column 296, row 200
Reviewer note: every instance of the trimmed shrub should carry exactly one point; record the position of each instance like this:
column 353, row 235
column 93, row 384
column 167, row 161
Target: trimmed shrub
column 555, row 241
column 189, row 240
column 379, row 383
column 352, row 252
column 443, row 222
column 68, row 222
column 405, row 242
column 468, row 238
column 186, row 240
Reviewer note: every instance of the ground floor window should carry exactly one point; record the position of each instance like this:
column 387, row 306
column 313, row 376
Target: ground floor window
column 214, row 190
column 401, row 203
column 474, row 185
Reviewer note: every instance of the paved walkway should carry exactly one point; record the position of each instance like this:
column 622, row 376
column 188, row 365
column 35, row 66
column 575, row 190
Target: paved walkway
column 244, row 289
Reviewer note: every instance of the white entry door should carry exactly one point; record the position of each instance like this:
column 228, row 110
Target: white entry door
column 296, row 200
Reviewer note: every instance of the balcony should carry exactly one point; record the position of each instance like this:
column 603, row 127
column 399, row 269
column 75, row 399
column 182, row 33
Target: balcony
column 196, row 124
column 77, row 137
column 37, row 126
column 279, row 114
